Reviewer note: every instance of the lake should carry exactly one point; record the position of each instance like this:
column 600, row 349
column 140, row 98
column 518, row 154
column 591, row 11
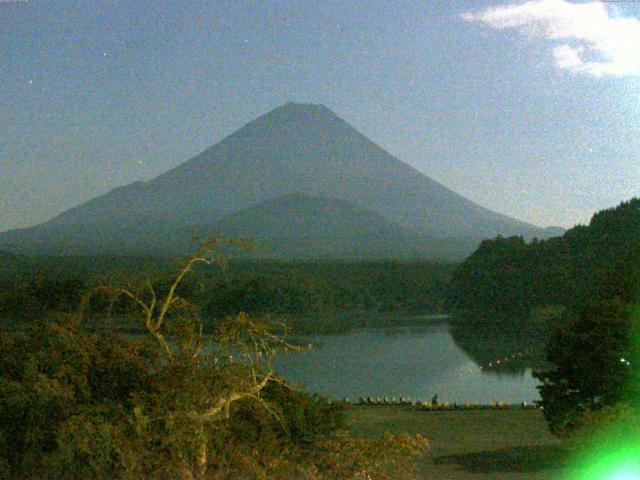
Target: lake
column 409, row 361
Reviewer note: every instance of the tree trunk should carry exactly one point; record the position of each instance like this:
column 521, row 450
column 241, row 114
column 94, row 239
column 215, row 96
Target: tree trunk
column 202, row 452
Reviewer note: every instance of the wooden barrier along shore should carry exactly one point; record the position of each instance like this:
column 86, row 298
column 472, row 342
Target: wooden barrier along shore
column 427, row 405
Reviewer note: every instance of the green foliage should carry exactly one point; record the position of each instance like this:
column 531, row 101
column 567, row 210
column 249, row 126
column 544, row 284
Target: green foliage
column 84, row 403
column 295, row 290
column 311, row 287
column 593, row 272
column 620, row 421
column 43, row 293
column 261, row 295
column 598, row 261
column 78, row 404
column 593, row 354
column 52, row 374
column 492, row 279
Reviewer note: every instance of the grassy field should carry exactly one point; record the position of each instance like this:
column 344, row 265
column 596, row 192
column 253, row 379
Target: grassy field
column 480, row 444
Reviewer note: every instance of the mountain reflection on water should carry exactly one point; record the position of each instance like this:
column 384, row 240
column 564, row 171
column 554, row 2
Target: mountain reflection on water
column 502, row 349
column 412, row 361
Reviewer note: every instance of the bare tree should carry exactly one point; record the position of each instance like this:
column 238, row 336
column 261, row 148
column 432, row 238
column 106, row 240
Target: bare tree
column 251, row 340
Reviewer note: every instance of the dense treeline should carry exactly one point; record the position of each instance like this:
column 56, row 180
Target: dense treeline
column 305, row 287
column 595, row 356
column 592, row 272
column 537, row 295
column 257, row 287
column 509, row 276
column 594, row 346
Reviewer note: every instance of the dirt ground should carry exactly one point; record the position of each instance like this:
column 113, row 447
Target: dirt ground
column 472, row 444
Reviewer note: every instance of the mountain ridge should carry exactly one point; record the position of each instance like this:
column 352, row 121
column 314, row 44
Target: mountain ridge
column 295, row 148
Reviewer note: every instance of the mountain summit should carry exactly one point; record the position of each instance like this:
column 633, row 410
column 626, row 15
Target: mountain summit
column 300, row 149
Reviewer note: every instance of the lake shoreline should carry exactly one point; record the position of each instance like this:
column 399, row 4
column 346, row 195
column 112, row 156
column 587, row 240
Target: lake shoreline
column 438, row 406
column 417, row 362
column 316, row 323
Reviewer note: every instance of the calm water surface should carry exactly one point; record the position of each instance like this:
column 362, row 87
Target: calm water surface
column 416, row 362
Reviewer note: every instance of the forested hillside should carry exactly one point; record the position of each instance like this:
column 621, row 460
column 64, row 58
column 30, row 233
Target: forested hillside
column 31, row 287
column 509, row 276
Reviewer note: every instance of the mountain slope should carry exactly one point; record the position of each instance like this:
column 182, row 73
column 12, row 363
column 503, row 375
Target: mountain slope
column 302, row 226
column 292, row 149
column 303, row 216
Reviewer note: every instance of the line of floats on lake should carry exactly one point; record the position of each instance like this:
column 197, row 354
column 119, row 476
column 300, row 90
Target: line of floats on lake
column 436, row 405
column 428, row 405
column 495, row 363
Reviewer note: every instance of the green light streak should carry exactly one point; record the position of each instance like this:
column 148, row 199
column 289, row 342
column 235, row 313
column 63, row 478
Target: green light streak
column 612, row 452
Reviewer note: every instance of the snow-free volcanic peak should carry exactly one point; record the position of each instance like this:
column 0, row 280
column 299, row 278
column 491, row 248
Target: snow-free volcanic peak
column 296, row 148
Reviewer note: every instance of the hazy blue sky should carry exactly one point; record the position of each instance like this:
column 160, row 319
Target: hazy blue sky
column 531, row 110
